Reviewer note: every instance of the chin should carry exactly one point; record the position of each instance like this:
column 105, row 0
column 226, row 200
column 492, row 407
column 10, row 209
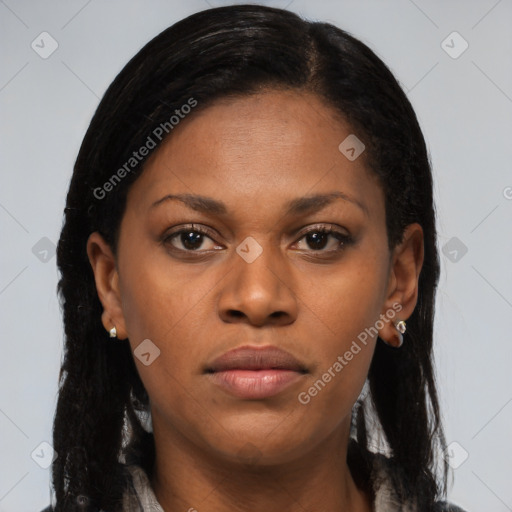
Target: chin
column 261, row 447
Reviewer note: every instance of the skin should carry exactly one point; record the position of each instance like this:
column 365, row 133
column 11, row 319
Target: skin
column 216, row 452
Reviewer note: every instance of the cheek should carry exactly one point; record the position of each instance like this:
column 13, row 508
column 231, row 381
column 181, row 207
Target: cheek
column 164, row 305
column 343, row 362
column 347, row 301
column 343, row 332
column 159, row 297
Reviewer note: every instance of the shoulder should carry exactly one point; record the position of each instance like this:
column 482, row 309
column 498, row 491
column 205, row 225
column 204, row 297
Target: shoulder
column 382, row 481
column 138, row 495
column 443, row 506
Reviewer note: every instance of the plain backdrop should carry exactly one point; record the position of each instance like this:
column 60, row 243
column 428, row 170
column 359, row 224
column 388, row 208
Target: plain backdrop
column 453, row 60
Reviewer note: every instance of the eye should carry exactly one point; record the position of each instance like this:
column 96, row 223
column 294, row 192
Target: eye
column 317, row 238
column 190, row 238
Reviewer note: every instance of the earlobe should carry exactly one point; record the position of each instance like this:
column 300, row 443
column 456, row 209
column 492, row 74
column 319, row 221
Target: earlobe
column 402, row 291
column 106, row 277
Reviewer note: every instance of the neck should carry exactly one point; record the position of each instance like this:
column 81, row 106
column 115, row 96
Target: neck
column 186, row 477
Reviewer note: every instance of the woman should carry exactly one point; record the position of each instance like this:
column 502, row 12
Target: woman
column 249, row 266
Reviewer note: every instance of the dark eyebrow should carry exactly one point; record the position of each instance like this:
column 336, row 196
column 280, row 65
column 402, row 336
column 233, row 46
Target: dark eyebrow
column 313, row 203
column 195, row 202
column 298, row 206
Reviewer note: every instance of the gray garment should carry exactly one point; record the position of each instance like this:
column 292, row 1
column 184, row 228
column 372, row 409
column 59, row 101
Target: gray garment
column 140, row 497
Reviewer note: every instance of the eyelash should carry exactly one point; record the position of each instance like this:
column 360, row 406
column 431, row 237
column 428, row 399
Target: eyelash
column 343, row 239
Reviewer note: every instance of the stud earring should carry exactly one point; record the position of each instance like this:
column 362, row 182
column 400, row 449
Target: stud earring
column 399, row 338
column 113, row 332
column 401, row 328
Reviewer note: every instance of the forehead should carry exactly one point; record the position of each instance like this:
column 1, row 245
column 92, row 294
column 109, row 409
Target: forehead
column 268, row 145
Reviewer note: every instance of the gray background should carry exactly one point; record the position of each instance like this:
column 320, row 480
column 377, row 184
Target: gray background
column 464, row 105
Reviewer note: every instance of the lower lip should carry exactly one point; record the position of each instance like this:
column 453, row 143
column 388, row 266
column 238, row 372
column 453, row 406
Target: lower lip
column 255, row 384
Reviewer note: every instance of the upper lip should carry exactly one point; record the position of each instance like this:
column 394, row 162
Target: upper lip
column 256, row 358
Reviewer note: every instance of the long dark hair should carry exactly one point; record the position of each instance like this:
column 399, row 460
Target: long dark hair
column 233, row 51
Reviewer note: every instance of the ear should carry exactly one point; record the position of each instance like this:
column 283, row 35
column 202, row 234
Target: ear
column 402, row 291
column 103, row 264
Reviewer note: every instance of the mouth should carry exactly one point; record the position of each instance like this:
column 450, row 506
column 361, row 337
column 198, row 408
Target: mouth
column 255, row 373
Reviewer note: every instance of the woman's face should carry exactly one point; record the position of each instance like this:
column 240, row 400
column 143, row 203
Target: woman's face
column 246, row 275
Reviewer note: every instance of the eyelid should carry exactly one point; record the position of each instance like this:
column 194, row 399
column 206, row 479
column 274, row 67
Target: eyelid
column 326, row 226
column 197, row 228
column 190, row 227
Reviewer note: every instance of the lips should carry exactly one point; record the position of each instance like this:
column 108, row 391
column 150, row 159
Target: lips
column 255, row 373
column 250, row 358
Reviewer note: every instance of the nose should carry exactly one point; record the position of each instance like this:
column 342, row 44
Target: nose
column 260, row 292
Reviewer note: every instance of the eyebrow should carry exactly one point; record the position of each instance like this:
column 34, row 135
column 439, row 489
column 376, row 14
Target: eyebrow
column 298, row 206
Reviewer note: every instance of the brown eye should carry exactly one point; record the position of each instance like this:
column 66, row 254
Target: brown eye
column 191, row 239
column 318, row 238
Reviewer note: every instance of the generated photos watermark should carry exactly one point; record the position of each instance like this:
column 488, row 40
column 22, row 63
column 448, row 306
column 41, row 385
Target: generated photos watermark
column 156, row 136
column 342, row 361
